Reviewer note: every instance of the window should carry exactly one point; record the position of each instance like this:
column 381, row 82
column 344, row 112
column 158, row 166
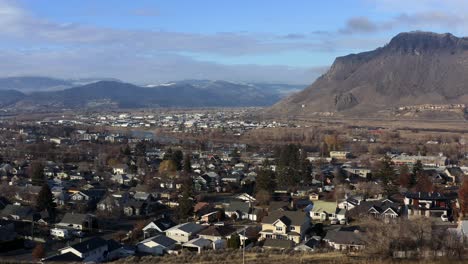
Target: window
column 317, row 214
column 279, row 228
column 293, row 228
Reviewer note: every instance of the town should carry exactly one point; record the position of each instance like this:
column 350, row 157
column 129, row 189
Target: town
column 96, row 187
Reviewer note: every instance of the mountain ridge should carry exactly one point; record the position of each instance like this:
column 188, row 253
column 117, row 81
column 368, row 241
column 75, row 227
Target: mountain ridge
column 413, row 68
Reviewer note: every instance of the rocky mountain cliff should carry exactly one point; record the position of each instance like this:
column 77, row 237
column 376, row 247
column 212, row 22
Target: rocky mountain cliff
column 414, row 68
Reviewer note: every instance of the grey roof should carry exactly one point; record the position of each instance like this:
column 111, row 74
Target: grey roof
column 90, row 244
column 67, row 257
column 198, row 242
column 164, row 223
column 295, row 218
column 238, row 206
column 344, row 237
column 19, row 210
column 278, row 243
column 160, row 240
column 74, row 218
column 190, row 227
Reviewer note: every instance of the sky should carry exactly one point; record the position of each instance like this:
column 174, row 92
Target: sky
column 150, row 42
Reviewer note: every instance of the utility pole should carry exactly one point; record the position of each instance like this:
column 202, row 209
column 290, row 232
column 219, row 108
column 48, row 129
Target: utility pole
column 243, row 248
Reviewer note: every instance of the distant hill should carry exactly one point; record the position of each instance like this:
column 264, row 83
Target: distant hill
column 191, row 93
column 414, row 68
column 8, row 97
column 33, row 83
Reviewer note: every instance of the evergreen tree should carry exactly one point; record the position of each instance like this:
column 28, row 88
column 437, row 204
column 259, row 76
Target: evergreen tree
column 185, row 202
column 265, row 180
column 45, row 201
column 168, row 154
column 178, row 157
column 418, row 168
column 187, row 164
column 385, row 171
column 36, row 173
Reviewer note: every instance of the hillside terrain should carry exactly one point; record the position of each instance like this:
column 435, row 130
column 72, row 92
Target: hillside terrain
column 415, row 71
column 116, row 94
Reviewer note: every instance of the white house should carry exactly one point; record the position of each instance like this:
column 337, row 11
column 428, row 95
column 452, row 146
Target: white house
column 184, row 232
column 60, row 232
column 92, row 250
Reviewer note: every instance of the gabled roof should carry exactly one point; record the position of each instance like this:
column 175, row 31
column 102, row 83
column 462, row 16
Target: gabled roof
column 164, row 223
column 19, row 210
column 218, row 231
column 344, row 237
column 74, row 218
column 90, row 244
column 67, row 257
column 278, row 243
column 198, row 242
column 189, row 227
column 238, row 206
column 161, row 240
column 295, row 218
column 324, row 206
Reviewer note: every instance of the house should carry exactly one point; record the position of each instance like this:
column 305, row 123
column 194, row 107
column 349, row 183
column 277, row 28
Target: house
column 156, row 245
column 278, row 244
column 110, row 203
column 158, row 226
column 60, row 233
column 455, row 174
column 309, row 245
column 350, row 202
column 184, row 232
column 427, row 161
column 286, row 225
column 217, row 232
column 383, row 209
column 120, row 169
column 340, row 155
column 429, row 204
column 91, row 250
column 349, row 238
column 135, row 208
column 198, row 244
column 240, row 210
column 323, row 210
column 78, row 221
column 18, row 212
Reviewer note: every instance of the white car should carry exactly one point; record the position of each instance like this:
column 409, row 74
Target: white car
column 334, row 221
column 343, row 222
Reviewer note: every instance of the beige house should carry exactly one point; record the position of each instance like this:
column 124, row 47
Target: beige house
column 285, row 225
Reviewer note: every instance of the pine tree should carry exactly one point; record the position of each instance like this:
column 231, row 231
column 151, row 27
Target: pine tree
column 36, row 173
column 265, row 181
column 185, row 202
column 187, row 164
column 45, row 201
column 178, row 157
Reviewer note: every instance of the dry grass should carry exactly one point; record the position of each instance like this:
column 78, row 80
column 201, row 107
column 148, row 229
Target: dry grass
column 235, row 257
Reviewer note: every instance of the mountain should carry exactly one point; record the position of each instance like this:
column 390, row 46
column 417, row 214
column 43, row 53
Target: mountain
column 199, row 93
column 8, row 97
column 414, row 68
column 33, row 83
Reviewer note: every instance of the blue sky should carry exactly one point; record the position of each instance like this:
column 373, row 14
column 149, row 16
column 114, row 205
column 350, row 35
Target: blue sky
column 158, row 41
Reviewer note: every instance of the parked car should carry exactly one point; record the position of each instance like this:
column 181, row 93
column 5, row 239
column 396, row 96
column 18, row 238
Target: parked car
column 334, row 221
column 343, row 222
